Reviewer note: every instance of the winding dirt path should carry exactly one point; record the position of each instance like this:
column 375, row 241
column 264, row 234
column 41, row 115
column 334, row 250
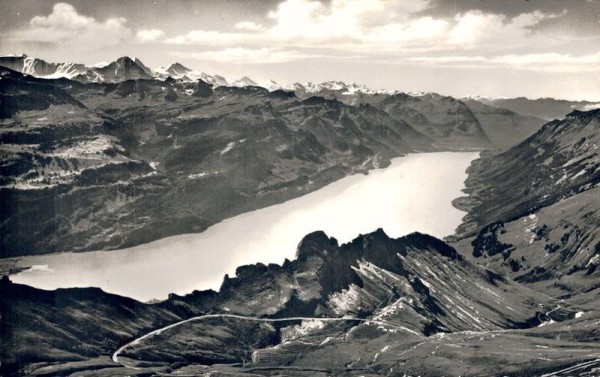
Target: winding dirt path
column 115, row 356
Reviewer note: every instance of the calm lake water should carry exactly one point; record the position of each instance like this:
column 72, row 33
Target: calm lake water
column 413, row 194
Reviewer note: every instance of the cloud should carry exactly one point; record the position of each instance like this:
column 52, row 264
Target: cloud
column 421, row 31
column 373, row 26
column 475, row 29
column 241, row 55
column 591, row 106
column 65, row 26
column 309, row 22
column 151, row 35
column 63, row 16
column 313, row 21
column 552, row 62
column 204, row 37
column 403, row 31
column 249, row 26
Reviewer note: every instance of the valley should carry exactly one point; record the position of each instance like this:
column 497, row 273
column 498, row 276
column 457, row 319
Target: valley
column 122, row 184
column 395, row 196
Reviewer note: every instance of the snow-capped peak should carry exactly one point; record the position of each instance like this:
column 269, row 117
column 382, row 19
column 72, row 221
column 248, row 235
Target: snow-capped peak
column 272, row 85
column 214, row 80
column 99, row 65
column 178, row 68
column 482, row 98
column 338, row 86
column 244, row 81
column 40, row 68
column 180, row 72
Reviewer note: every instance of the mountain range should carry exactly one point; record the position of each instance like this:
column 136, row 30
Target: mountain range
column 374, row 306
column 126, row 68
column 102, row 165
column 124, row 144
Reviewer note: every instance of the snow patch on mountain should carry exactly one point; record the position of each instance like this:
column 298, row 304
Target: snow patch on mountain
column 244, row 81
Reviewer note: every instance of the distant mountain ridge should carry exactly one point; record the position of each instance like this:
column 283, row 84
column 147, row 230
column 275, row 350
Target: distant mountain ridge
column 40, row 68
column 544, row 108
column 165, row 134
column 126, row 68
column 143, row 129
column 122, row 69
column 172, row 141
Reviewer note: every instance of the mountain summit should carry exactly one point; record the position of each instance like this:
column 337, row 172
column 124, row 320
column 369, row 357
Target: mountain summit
column 177, row 69
column 122, row 69
column 41, row 68
column 244, row 81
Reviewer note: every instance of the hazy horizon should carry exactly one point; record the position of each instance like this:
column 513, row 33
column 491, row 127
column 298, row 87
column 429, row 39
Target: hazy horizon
column 532, row 49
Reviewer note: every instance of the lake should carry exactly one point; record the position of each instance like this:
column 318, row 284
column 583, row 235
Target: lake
column 413, row 194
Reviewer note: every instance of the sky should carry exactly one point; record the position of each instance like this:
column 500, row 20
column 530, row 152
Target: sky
column 496, row 48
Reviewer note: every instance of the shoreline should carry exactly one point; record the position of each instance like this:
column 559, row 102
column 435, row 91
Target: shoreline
column 47, row 263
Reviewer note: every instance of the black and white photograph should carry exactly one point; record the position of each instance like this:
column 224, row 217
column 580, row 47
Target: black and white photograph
column 252, row 188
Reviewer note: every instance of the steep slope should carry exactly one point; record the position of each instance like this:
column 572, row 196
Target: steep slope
column 347, row 93
column 67, row 325
column 480, row 123
column 178, row 69
column 439, row 116
column 447, row 120
column 181, row 72
column 558, row 161
column 20, row 94
column 533, row 209
column 406, row 289
column 418, row 274
column 244, row 81
column 505, row 122
column 555, row 248
column 40, row 68
column 122, row 69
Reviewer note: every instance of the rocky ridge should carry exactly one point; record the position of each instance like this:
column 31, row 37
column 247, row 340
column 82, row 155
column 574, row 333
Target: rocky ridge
column 420, row 287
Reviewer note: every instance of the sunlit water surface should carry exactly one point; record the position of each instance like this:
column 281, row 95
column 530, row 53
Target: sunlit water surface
column 413, row 194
